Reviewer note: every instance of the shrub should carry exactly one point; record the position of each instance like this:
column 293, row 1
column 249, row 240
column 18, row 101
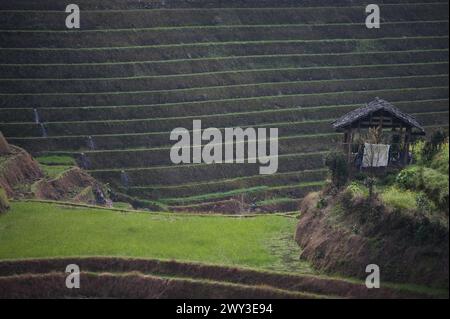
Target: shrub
column 400, row 198
column 357, row 189
column 4, row 203
column 423, row 204
column 410, row 178
column 435, row 185
column 440, row 161
column 432, row 182
column 433, row 146
column 337, row 164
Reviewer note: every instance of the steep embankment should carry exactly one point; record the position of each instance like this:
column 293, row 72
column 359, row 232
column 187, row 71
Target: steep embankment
column 343, row 234
column 138, row 278
column 22, row 177
column 71, row 185
column 129, row 77
column 18, row 169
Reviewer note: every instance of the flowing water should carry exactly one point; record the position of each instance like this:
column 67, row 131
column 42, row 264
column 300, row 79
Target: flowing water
column 91, row 143
column 124, row 179
column 44, row 132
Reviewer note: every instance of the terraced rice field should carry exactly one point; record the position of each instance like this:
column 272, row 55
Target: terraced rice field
column 135, row 71
column 164, row 255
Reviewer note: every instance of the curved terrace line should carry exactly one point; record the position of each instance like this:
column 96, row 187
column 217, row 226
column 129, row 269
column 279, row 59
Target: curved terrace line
column 226, row 180
column 222, row 195
column 217, row 87
column 285, row 137
column 220, row 58
column 220, row 115
column 267, row 97
column 322, row 107
column 164, row 148
column 182, row 166
column 238, row 71
column 168, row 46
column 230, row 8
column 228, row 26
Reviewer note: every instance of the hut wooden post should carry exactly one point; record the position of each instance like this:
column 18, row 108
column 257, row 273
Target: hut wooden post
column 348, row 143
column 4, row 146
column 407, row 143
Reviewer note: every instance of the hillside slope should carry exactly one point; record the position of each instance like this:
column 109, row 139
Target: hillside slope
column 110, row 93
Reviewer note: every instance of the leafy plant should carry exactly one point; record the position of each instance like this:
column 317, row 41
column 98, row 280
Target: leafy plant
column 409, row 178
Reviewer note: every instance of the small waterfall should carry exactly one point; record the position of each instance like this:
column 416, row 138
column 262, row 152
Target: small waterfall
column 85, row 163
column 36, row 116
column 44, row 132
column 91, row 143
column 125, row 180
column 100, row 197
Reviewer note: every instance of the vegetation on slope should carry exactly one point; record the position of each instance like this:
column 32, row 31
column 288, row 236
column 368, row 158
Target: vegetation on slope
column 400, row 223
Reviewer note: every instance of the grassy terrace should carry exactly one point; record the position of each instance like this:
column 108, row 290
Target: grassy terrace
column 226, row 185
column 258, row 243
column 162, row 69
column 292, row 67
column 48, row 230
column 176, row 17
column 238, row 77
column 257, row 194
column 168, row 37
column 188, row 51
column 205, row 108
column 222, row 92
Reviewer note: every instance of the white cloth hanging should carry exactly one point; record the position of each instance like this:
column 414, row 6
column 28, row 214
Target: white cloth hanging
column 376, row 155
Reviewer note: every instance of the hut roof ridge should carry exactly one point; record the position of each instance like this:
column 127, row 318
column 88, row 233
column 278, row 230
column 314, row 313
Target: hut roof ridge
column 376, row 105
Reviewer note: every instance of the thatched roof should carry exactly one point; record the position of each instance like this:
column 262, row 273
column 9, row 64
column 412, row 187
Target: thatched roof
column 375, row 106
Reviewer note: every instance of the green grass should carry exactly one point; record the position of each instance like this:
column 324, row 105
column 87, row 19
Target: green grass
column 35, row 230
column 54, row 165
column 400, row 199
column 53, row 171
column 56, row 160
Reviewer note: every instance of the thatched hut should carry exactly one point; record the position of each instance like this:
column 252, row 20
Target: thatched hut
column 380, row 131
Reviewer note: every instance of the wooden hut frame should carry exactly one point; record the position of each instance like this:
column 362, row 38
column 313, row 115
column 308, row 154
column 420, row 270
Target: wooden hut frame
column 378, row 114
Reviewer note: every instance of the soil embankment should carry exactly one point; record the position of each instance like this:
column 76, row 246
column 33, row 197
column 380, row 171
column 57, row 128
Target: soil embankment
column 340, row 234
column 210, row 280
column 72, row 185
column 17, row 169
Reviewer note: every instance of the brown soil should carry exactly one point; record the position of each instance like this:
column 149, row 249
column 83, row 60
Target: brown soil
column 347, row 241
column 293, row 283
column 132, row 286
column 74, row 184
column 21, row 176
column 230, row 206
column 16, row 169
column 4, row 146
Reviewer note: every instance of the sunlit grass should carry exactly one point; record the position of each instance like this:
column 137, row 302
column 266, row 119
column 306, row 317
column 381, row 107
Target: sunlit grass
column 34, row 230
